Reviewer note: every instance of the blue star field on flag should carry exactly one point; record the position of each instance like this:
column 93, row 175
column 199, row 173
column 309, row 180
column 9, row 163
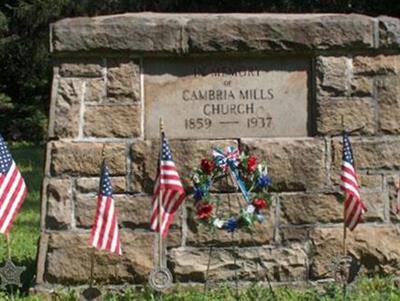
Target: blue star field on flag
column 5, row 157
column 347, row 152
column 166, row 152
column 105, row 182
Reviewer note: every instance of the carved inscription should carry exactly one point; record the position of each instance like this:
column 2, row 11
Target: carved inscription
column 212, row 98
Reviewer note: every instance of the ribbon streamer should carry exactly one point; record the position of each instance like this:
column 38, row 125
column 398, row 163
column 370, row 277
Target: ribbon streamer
column 229, row 159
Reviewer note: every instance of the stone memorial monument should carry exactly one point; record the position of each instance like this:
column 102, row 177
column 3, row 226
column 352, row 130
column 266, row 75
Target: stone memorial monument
column 276, row 85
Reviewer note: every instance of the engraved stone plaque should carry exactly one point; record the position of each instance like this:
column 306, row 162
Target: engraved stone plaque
column 226, row 98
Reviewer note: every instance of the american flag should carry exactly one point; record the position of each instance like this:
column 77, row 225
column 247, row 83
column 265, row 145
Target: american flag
column 105, row 233
column 12, row 189
column 169, row 184
column 354, row 207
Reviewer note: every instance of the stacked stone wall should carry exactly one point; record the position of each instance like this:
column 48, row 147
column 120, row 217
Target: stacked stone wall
column 98, row 101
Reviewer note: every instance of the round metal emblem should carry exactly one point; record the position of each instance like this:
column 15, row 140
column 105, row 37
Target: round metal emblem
column 160, row 279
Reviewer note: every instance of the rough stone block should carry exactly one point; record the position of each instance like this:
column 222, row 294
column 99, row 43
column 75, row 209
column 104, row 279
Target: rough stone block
column 281, row 264
column 388, row 94
column 357, row 114
column 294, row 164
column 68, row 259
column 187, row 155
column 85, row 159
column 81, row 68
column 389, row 32
column 299, row 209
column 91, row 185
column 289, row 234
column 132, row 32
column 244, row 32
column 133, row 211
column 95, row 91
column 198, row 234
column 371, row 182
column 375, row 65
column 376, row 153
column 123, row 81
column 333, row 74
column 64, row 117
column 362, row 86
column 112, row 121
column 376, row 203
column 392, row 182
column 59, row 203
column 376, row 247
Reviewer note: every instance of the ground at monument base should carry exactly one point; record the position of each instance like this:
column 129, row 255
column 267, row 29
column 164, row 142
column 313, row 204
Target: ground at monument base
column 366, row 289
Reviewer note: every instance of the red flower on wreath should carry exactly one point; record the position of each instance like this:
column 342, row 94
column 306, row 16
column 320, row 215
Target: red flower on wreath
column 259, row 203
column 207, row 166
column 204, row 211
column 252, row 164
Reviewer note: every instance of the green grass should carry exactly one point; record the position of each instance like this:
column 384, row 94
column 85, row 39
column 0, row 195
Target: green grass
column 25, row 234
column 376, row 289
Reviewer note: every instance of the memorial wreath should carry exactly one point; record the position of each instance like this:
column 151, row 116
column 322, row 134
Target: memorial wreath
column 248, row 174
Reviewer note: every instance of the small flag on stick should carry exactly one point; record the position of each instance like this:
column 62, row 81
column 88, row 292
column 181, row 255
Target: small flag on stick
column 105, row 233
column 354, row 207
column 172, row 194
column 12, row 189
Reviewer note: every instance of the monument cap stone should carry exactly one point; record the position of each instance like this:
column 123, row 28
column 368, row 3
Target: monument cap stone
column 153, row 33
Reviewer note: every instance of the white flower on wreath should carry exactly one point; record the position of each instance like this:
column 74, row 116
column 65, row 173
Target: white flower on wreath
column 250, row 209
column 218, row 223
column 195, row 178
column 262, row 169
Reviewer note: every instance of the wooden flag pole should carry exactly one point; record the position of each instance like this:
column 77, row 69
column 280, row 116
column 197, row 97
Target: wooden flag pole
column 344, row 233
column 160, row 195
column 92, row 266
column 344, row 209
column 8, row 246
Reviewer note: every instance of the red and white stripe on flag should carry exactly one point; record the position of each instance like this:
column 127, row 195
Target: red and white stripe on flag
column 169, row 186
column 12, row 194
column 105, row 233
column 12, row 189
column 354, row 207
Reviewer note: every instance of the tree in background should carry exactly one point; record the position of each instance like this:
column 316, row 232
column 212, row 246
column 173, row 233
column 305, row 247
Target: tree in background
column 25, row 72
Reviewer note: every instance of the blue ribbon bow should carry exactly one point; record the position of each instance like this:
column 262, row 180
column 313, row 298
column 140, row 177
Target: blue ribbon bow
column 230, row 159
